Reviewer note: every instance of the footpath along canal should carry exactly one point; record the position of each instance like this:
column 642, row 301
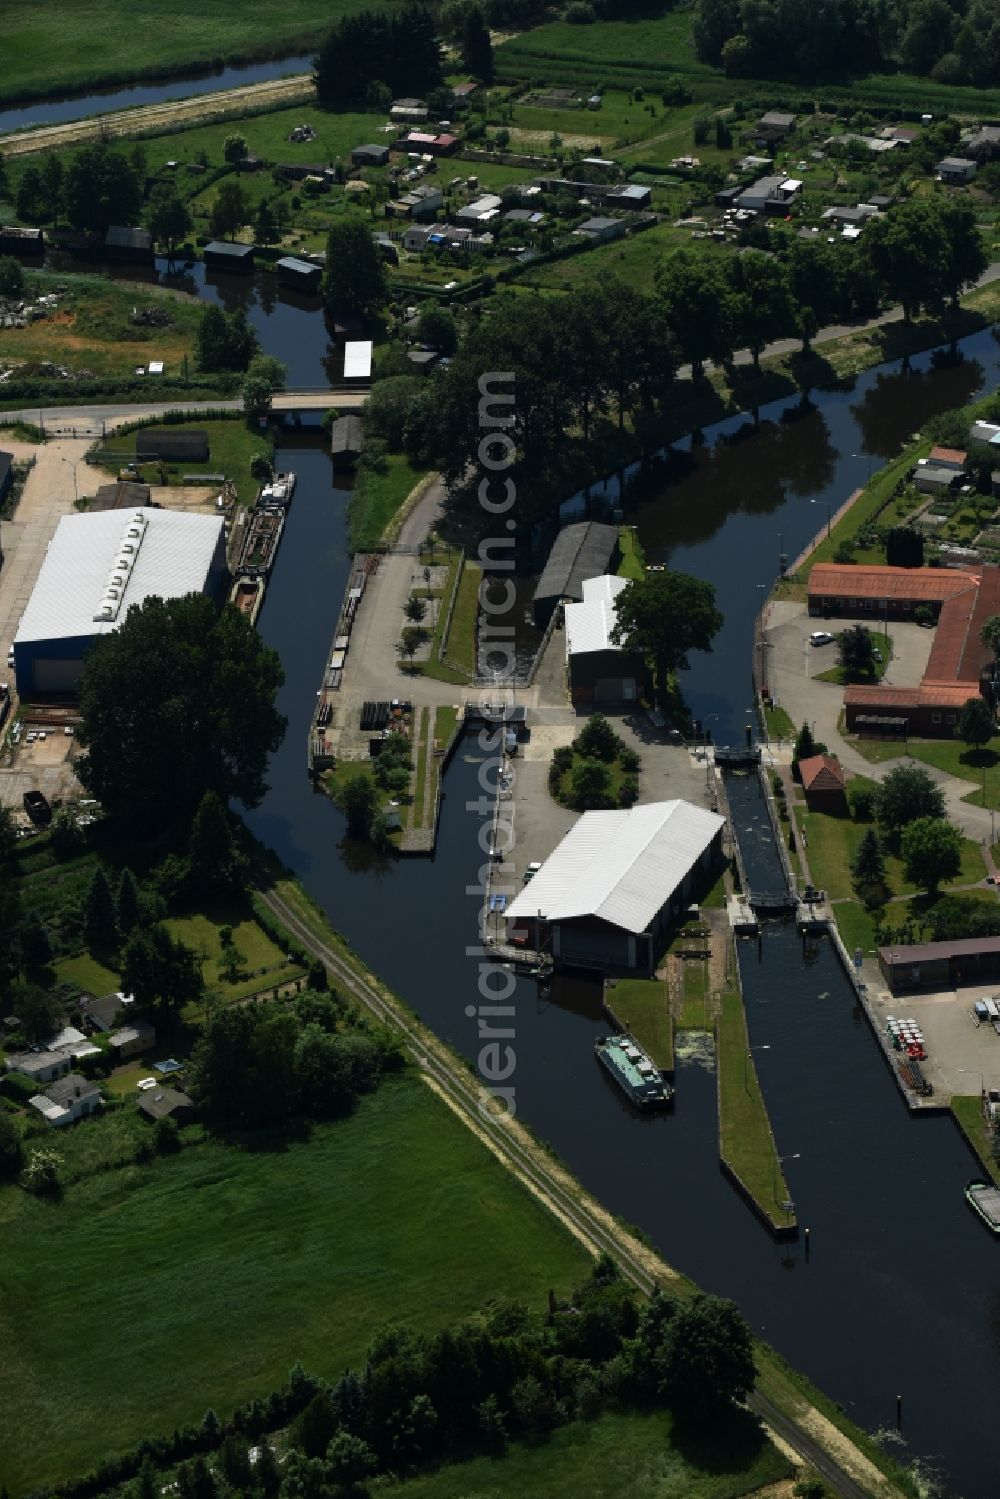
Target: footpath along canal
column 901, row 1294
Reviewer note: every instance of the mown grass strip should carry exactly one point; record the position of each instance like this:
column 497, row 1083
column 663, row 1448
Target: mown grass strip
column 642, row 1007
column 746, row 1142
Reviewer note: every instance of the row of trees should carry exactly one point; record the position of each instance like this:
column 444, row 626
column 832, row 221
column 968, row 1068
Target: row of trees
column 951, row 42
column 611, row 350
column 372, row 56
column 98, row 187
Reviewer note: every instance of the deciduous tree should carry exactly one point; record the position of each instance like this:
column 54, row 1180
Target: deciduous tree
column 706, row 1360
column 664, row 616
column 975, row 725
column 907, row 793
column 354, row 283
column 932, row 852
column 176, row 702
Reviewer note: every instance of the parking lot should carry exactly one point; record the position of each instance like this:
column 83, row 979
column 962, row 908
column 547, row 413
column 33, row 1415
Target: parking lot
column 960, row 1052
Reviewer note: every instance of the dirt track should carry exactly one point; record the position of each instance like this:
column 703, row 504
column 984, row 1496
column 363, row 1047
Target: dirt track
column 150, row 117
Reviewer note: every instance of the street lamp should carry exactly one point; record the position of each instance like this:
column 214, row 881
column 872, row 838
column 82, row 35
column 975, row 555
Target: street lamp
column 779, row 1160
column 73, row 465
column 765, row 1046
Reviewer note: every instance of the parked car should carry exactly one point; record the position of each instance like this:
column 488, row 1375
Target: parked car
column 820, row 637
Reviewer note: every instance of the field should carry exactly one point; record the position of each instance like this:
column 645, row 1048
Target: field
column 198, row 1281
column 615, row 1455
column 232, row 447
column 62, row 46
column 92, row 328
column 642, row 1007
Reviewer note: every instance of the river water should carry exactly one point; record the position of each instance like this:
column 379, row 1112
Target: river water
column 901, row 1294
column 103, row 101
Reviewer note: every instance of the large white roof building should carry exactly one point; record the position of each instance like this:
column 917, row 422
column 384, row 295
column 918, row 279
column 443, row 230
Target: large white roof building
column 96, row 567
column 611, row 885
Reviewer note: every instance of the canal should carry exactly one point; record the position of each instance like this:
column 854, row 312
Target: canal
column 901, row 1295
column 104, row 101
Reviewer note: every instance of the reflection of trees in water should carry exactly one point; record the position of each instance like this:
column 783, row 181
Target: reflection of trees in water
column 752, row 470
column 360, row 857
column 233, row 291
column 899, row 404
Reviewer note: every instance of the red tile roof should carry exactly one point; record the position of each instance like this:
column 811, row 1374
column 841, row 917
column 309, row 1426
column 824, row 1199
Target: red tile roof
column 822, row 773
column 930, row 585
column 928, row 695
column 948, row 455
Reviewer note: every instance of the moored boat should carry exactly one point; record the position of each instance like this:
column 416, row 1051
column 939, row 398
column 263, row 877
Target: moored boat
column 984, row 1198
column 634, row 1071
column 248, row 595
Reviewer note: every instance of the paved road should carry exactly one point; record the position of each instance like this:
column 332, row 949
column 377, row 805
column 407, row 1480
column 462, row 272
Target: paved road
column 112, row 414
column 581, row 1214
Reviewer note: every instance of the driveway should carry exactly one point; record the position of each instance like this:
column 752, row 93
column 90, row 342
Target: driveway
column 793, row 670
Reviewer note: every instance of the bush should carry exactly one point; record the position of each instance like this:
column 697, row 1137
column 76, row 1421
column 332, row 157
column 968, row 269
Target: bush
column 629, row 760
column 862, row 800
column 41, row 1175
column 628, row 791
column 166, row 1139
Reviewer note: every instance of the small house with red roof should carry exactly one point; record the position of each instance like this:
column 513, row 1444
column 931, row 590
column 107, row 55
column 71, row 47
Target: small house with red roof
column 824, row 784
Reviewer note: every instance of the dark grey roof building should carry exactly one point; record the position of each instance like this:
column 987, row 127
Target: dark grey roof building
column 165, row 1103
column 585, row 549
column 228, row 255
column 347, row 435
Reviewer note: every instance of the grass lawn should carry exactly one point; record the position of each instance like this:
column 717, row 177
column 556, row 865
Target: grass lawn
column 416, row 811
column 92, row 327
column 377, row 496
column 872, row 498
column 745, row 1138
column 53, row 48
column 951, row 756
column 233, row 1264
column 696, row 1009
column 838, row 674
column 91, row 976
column 779, row 725
column 832, row 843
column 232, row 447
column 968, row 1111
column 643, row 1008
column 615, row 1455
column 633, row 563
column 461, row 643
column 856, row 927
column 264, row 962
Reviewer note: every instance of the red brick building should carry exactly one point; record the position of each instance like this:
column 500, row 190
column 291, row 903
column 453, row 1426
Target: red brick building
column 824, row 783
column 959, row 666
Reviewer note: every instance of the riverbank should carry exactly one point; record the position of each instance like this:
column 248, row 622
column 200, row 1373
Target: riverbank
column 817, row 1429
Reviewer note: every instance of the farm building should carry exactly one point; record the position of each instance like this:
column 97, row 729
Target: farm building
column 228, row 255
column 600, row 671
column 187, row 444
column 585, row 549
column 301, row 274
column 607, row 894
column 96, row 567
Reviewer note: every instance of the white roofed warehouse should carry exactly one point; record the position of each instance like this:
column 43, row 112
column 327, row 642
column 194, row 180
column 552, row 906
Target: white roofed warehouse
column 96, row 567
column 607, row 894
column 600, row 671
